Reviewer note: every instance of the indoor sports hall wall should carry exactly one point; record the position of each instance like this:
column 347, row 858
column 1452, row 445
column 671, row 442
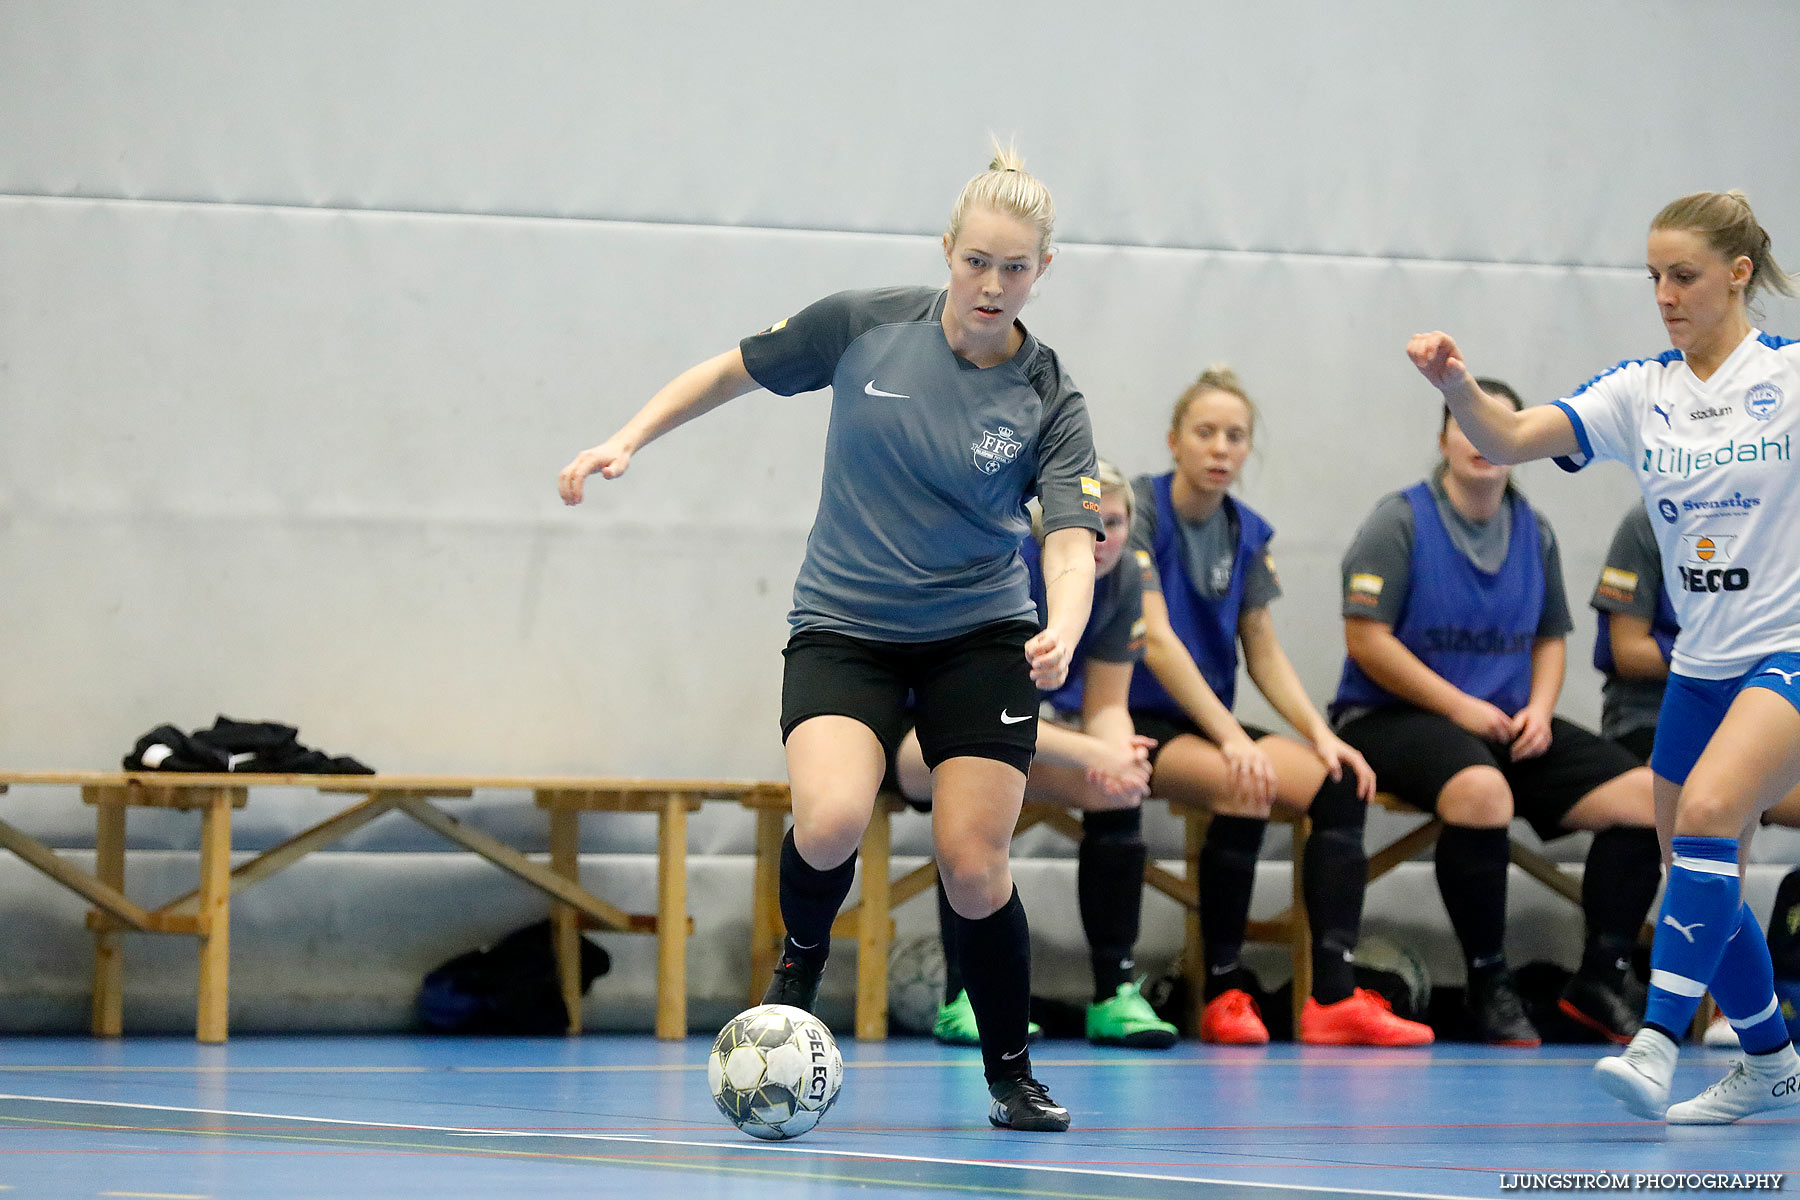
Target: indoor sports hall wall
column 302, row 307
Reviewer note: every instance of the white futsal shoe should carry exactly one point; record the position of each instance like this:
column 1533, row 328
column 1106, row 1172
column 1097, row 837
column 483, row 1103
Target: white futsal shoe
column 1639, row 1078
column 1756, row 1083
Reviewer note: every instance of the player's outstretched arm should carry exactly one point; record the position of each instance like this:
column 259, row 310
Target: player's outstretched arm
column 1502, row 434
column 695, row 391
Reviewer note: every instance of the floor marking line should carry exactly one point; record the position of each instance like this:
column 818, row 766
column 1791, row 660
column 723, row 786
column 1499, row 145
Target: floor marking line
column 749, row 1145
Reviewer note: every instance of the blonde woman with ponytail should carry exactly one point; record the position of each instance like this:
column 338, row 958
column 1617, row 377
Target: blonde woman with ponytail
column 947, row 416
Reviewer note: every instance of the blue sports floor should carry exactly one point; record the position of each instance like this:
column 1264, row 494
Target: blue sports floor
column 629, row 1116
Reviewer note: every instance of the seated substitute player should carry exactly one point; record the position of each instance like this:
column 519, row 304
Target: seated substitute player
column 1088, row 757
column 1455, row 620
column 1208, row 583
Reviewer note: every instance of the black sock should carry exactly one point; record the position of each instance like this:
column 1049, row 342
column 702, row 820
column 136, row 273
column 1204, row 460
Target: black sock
column 947, row 919
column 810, row 899
column 1227, row 874
column 996, row 953
column 1109, row 882
column 1471, row 875
column 1333, row 879
column 1618, row 885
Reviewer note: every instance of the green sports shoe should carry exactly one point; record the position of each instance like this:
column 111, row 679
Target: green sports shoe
column 955, row 1024
column 1128, row 1020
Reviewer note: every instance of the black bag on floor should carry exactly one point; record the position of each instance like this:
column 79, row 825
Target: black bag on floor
column 507, row 988
column 1784, row 927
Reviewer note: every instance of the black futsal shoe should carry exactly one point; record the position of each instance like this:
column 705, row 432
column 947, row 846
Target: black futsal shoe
column 1602, row 1006
column 796, row 983
column 1497, row 1013
column 1024, row 1104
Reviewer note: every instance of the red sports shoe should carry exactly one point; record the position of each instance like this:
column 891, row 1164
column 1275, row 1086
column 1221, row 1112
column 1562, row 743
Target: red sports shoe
column 1232, row 1019
column 1365, row 1019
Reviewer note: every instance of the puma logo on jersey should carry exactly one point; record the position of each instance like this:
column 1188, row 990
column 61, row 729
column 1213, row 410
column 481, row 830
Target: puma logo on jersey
column 1684, row 930
column 1662, row 412
column 1787, row 677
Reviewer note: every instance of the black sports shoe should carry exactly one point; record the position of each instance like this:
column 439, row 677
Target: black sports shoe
column 1024, row 1104
column 1497, row 1014
column 1602, row 1006
column 796, row 982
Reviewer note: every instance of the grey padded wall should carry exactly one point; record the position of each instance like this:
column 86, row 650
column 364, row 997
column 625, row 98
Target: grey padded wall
column 304, row 306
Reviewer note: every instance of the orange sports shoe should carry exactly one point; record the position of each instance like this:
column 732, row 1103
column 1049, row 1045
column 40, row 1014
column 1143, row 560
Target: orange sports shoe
column 1232, row 1019
column 1365, row 1019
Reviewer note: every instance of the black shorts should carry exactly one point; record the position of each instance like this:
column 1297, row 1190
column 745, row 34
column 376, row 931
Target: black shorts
column 1415, row 753
column 970, row 695
column 1165, row 727
column 1638, row 741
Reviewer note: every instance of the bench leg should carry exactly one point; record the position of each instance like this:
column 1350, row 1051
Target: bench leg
column 765, row 901
column 1300, row 925
column 565, row 930
column 215, row 917
column 1194, row 822
column 875, row 929
column 671, row 919
column 108, row 1019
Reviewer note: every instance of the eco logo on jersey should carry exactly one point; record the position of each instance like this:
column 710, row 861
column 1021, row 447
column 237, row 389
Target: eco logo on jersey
column 1713, row 552
column 1763, row 401
column 996, row 449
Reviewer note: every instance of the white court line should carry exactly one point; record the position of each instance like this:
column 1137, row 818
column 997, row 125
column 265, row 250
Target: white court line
column 747, row 1144
column 161, row 1195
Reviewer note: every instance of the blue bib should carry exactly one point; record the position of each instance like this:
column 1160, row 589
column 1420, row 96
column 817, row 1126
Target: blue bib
column 1474, row 629
column 1208, row 628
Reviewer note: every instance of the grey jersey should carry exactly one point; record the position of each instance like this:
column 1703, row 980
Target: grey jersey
column 929, row 461
column 1630, row 582
column 1377, row 569
column 1208, row 549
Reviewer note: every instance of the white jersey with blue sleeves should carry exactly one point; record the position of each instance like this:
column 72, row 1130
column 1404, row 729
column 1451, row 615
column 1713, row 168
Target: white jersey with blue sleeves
column 1715, row 459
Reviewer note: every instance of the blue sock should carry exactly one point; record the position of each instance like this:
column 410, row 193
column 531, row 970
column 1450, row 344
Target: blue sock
column 1699, row 914
column 1744, row 986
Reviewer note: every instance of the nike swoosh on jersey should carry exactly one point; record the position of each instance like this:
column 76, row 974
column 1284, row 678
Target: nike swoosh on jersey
column 869, row 389
column 1007, row 718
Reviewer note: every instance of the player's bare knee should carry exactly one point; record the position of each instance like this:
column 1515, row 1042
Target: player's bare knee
column 1477, row 798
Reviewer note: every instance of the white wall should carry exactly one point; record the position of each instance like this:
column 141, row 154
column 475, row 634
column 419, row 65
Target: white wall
column 303, row 306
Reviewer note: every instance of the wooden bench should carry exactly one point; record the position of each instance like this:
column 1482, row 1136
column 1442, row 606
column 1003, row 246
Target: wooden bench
column 869, row 919
column 204, row 913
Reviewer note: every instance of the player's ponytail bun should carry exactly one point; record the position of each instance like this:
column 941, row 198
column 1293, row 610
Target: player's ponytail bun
column 1006, row 187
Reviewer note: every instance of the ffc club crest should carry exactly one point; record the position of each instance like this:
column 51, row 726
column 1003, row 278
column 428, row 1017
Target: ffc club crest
column 996, row 449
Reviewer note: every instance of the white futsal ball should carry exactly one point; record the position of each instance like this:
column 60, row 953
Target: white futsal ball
column 916, row 982
column 774, row 1071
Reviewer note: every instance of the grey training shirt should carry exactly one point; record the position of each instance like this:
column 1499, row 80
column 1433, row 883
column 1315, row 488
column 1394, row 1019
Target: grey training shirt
column 1382, row 551
column 929, row 461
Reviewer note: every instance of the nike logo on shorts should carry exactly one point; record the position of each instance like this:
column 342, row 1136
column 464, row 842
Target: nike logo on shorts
column 869, row 389
column 1013, row 1055
column 1007, row 718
